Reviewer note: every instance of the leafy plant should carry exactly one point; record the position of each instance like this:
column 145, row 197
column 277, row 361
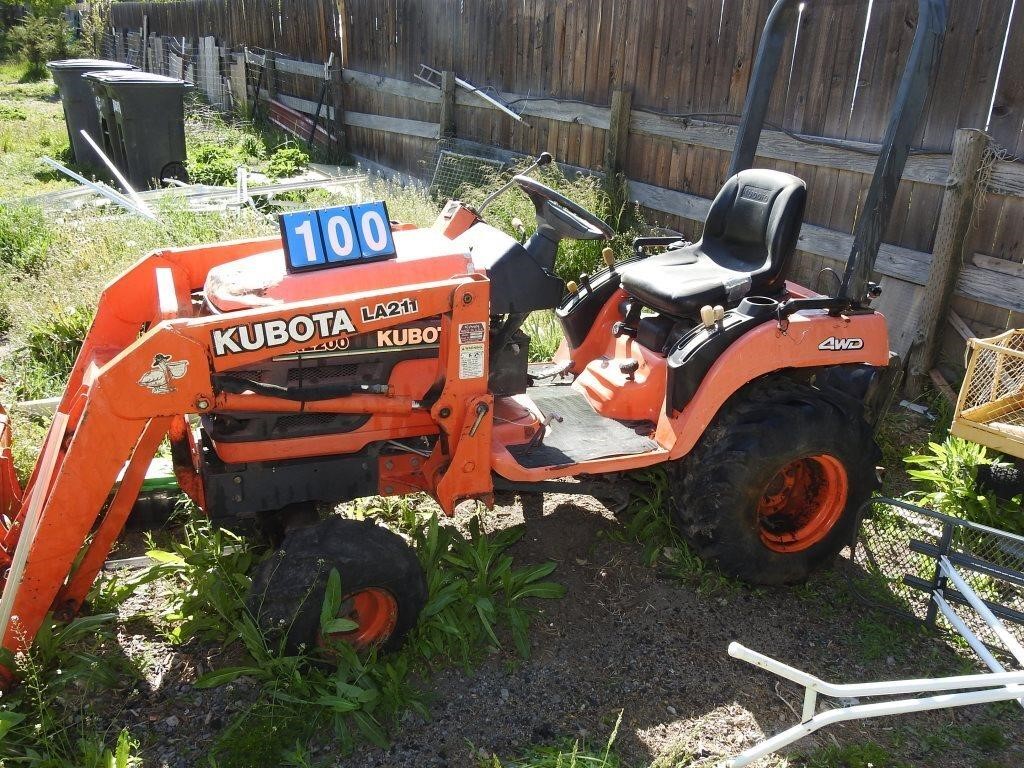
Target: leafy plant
column 545, row 335
column 575, row 257
column 44, row 720
column 949, row 476
column 649, row 524
column 287, row 160
column 475, row 595
column 205, row 575
column 214, row 165
column 48, row 353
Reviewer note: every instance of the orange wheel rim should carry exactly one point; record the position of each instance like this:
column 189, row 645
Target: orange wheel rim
column 375, row 610
column 802, row 503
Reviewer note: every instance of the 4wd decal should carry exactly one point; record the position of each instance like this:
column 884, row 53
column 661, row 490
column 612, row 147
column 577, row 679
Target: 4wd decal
column 251, row 337
column 834, row 344
column 389, row 309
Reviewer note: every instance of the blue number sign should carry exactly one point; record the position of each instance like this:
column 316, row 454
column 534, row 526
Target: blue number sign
column 334, row 237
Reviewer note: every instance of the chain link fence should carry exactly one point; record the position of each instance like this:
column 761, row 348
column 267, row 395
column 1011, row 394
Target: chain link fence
column 898, row 549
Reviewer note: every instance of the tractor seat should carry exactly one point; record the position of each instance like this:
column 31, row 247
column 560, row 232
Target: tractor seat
column 749, row 237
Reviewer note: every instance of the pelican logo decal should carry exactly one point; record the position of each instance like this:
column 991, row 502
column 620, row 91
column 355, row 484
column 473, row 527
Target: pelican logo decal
column 833, row 344
column 163, row 371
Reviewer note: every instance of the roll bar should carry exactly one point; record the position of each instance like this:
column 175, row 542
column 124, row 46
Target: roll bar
column 903, row 121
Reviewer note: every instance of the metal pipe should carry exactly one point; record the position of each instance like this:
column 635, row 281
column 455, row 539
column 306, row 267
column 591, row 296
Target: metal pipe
column 865, row 711
column 118, row 175
column 883, row 688
column 1011, row 643
column 101, row 189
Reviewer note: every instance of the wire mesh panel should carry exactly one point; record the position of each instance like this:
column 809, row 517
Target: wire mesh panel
column 991, row 406
column 898, row 549
column 456, row 173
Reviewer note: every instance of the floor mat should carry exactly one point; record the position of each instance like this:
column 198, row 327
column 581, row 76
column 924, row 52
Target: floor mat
column 582, row 435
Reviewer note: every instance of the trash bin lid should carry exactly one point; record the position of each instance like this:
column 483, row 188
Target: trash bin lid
column 135, row 78
column 88, row 64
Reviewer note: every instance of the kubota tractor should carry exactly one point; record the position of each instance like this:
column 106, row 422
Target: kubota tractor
column 350, row 358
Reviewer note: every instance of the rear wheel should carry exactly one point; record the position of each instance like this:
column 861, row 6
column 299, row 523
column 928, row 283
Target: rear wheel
column 771, row 491
column 382, row 585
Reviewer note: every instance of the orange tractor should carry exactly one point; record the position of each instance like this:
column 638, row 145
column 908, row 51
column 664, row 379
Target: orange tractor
column 353, row 357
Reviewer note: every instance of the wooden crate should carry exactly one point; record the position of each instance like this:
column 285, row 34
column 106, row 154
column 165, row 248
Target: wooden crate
column 990, row 409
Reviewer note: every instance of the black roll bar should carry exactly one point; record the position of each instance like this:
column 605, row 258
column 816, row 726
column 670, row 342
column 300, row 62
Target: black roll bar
column 903, row 121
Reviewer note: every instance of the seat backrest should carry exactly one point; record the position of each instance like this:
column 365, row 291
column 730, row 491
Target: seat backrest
column 754, row 223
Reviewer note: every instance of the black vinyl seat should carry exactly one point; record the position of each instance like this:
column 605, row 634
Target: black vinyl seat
column 749, row 237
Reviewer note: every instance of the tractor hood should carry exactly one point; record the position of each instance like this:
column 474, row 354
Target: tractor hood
column 423, row 255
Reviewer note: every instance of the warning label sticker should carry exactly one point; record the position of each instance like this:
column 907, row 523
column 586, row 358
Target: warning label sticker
column 471, row 332
column 471, row 361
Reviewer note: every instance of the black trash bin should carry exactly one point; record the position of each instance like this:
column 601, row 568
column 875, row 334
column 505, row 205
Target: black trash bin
column 79, row 107
column 145, row 124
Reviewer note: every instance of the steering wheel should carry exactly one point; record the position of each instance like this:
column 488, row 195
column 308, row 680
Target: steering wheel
column 559, row 217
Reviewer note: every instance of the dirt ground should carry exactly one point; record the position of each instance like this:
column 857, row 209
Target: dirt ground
column 627, row 638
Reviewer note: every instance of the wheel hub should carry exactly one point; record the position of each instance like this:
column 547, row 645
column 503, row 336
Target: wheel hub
column 802, row 502
column 375, row 610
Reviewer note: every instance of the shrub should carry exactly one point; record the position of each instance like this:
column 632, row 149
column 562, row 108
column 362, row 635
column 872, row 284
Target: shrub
column 213, row 164
column 40, row 39
column 287, row 160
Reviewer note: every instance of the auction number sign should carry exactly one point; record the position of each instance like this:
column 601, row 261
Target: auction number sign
column 336, row 237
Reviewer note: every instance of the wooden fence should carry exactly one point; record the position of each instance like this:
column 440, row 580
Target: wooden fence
column 672, row 74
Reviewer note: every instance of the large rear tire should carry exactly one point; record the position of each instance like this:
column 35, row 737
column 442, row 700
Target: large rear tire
column 382, row 584
column 771, row 491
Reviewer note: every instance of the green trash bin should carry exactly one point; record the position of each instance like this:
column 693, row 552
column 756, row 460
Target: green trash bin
column 145, row 124
column 79, row 107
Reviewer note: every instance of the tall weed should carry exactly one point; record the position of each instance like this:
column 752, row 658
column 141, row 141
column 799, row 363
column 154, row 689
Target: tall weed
column 948, row 476
column 46, row 719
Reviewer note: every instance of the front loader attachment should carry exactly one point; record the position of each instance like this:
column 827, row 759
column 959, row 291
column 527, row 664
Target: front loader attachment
column 152, row 358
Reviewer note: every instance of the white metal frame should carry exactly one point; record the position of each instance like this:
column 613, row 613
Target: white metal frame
column 959, row 691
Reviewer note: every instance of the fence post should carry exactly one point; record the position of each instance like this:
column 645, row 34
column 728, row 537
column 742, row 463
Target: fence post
column 338, row 102
column 239, row 82
column 952, row 231
column 618, row 131
column 617, row 143
column 447, row 127
column 271, row 76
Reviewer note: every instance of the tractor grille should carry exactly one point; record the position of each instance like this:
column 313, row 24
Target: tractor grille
column 313, row 375
column 303, row 421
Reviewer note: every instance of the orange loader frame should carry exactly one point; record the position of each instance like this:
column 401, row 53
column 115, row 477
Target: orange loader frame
column 107, row 428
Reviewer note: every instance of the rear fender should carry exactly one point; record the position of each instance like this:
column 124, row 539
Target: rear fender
column 813, row 339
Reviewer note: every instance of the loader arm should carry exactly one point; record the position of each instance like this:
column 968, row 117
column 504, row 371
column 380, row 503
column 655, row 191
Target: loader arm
column 148, row 362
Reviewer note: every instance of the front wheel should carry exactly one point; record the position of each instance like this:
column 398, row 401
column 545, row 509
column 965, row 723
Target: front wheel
column 771, row 491
column 382, row 585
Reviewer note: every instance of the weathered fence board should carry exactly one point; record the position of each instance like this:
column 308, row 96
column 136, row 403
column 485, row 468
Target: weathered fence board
column 686, row 65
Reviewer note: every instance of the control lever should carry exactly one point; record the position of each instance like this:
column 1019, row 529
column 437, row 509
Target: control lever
column 542, row 428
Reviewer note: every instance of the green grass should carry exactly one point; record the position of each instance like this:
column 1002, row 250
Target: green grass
column 573, row 755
